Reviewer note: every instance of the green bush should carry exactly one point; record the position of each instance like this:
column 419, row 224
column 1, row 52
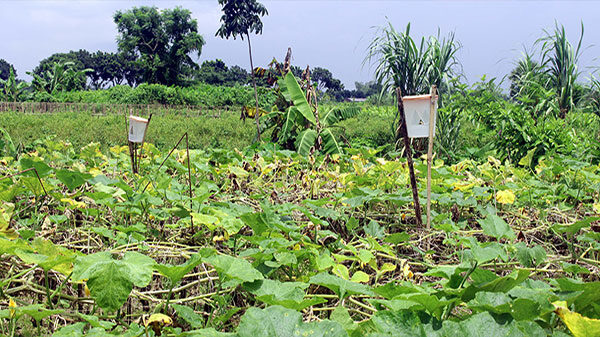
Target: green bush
column 202, row 94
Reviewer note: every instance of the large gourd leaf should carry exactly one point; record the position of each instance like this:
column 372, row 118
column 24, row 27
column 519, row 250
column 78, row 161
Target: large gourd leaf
column 110, row 281
column 287, row 294
column 305, row 141
column 291, row 90
column 330, row 144
column 495, row 226
column 37, row 311
column 48, row 256
column 176, row 273
column 407, row 323
column 72, row 179
column 340, row 286
column 234, row 268
column 277, row 321
column 42, row 168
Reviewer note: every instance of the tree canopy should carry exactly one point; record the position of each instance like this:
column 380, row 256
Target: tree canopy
column 241, row 17
column 160, row 42
column 5, row 69
column 216, row 72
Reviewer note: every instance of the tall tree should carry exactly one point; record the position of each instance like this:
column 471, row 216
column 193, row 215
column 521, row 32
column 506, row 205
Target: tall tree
column 162, row 42
column 5, row 68
column 240, row 18
column 325, row 80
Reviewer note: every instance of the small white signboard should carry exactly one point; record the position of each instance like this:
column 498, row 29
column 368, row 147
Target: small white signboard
column 417, row 112
column 137, row 129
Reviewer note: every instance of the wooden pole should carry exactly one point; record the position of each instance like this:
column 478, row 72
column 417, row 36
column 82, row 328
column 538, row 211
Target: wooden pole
column 402, row 131
column 432, row 113
column 142, row 144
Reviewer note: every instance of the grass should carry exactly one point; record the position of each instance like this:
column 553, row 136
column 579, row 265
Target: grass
column 164, row 131
column 227, row 131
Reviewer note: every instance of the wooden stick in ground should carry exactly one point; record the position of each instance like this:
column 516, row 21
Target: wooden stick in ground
column 402, row 131
column 143, row 139
column 432, row 108
column 187, row 149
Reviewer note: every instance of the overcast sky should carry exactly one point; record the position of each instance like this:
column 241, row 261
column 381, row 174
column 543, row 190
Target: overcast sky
column 330, row 34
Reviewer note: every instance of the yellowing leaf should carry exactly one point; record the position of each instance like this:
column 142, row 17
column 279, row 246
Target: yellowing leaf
column 386, row 267
column 463, row 185
column 6, row 211
column 493, row 161
column 579, row 325
column 74, row 203
column 79, row 167
column 341, row 271
column 596, row 207
column 94, row 171
column 360, row 277
column 505, row 197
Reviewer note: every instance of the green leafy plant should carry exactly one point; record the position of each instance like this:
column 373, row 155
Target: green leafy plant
column 303, row 125
column 12, row 89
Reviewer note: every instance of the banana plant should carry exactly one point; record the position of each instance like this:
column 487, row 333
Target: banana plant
column 62, row 77
column 12, row 90
column 304, row 126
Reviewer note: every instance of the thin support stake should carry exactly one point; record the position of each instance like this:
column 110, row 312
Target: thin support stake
column 187, row 149
column 432, row 110
column 142, row 144
column 187, row 146
column 403, row 132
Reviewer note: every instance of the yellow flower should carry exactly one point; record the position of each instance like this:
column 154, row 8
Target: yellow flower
column 408, row 274
column 86, row 291
column 12, row 304
column 505, row 197
column 157, row 321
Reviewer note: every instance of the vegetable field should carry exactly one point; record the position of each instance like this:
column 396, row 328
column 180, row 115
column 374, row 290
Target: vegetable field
column 275, row 244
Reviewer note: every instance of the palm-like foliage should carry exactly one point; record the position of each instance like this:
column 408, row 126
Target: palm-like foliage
column 532, row 86
column 442, row 61
column 402, row 63
column 560, row 59
column 300, row 125
column 12, row 90
column 593, row 97
column 62, row 77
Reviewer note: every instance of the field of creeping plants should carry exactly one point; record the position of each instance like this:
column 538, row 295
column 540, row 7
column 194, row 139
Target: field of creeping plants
column 275, row 244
